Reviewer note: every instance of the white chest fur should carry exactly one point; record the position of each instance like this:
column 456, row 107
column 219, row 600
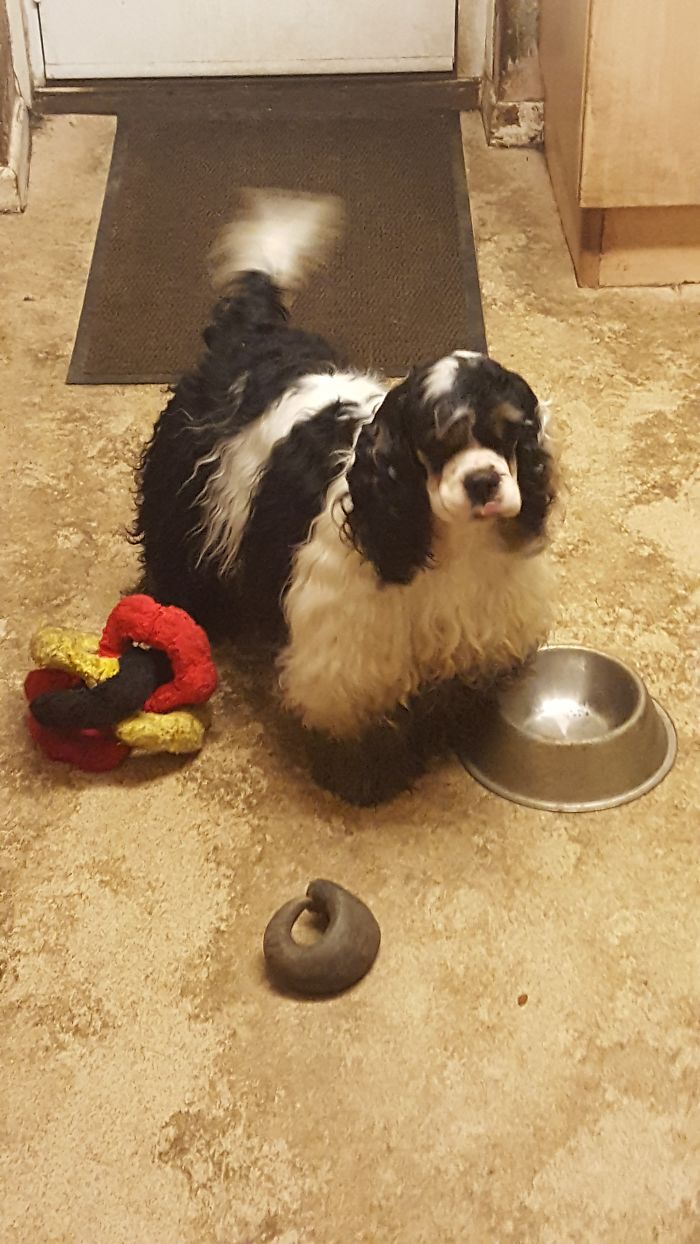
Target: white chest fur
column 358, row 648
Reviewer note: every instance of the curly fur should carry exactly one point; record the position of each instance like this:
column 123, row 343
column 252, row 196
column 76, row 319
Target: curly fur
column 388, row 513
column 393, row 538
column 359, row 646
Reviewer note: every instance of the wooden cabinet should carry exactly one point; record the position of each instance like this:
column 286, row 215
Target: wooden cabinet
column 622, row 135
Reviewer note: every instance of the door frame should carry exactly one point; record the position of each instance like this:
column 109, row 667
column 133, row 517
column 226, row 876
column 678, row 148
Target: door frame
column 35, row 50
column 14, row 160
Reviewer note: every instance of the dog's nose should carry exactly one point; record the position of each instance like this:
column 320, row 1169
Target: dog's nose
column 481, row 486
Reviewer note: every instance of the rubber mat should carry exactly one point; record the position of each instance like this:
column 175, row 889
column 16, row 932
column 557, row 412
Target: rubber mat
column 402, row 286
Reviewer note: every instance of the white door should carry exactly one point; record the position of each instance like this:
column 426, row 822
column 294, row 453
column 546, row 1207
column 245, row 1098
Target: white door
column 155, row 38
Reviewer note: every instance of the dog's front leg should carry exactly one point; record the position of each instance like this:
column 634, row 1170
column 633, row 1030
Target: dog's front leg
column 377, row 765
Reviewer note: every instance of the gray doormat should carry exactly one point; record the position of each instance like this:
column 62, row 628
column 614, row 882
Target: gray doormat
column 401, row 288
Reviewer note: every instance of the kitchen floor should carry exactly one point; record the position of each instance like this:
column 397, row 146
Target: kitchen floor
column 522, row 1063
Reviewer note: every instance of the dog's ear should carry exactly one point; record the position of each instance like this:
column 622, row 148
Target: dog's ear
column 536, row 473
column 390, row 520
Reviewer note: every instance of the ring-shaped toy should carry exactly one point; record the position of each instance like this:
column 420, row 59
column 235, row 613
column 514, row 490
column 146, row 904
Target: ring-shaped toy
column 73, row 686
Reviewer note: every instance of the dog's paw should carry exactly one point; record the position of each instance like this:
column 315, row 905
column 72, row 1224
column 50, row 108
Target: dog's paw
column 369, row 771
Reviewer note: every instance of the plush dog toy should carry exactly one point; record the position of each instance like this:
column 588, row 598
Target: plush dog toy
column 92, row 699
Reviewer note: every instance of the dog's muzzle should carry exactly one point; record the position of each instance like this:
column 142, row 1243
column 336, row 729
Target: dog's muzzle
column 477, row 483
column 492, row 493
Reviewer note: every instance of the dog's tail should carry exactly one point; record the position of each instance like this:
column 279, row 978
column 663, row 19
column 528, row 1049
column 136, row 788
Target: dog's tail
column 284, row 235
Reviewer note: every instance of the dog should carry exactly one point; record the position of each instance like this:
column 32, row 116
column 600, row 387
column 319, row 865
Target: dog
column 389, row 538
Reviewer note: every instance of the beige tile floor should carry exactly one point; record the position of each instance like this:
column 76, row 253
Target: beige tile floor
column 155, row 1091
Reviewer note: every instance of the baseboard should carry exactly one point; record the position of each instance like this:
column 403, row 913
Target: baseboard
column 650, row 246
column 513, row 123
column 14, row 176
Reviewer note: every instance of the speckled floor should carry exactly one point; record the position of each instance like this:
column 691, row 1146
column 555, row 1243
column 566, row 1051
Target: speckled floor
column 154, row 1090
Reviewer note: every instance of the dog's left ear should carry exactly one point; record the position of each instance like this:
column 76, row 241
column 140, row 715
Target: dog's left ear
column 390, row 521
column 536, row 472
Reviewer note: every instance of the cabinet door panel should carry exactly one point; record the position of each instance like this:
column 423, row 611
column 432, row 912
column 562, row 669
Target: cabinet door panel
column 642, row 106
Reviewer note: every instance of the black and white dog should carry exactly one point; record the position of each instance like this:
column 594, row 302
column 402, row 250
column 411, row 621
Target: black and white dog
column 397, row 534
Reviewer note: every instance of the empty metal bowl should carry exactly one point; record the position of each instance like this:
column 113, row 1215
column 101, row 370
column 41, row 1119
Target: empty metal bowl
column 576, row 731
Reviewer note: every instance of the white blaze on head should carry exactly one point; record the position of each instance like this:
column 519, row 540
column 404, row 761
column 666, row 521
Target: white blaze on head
column 449, row 498
column 441, row 377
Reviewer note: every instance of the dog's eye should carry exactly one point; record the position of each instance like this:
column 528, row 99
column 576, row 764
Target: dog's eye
column 450, row 420
column 510, row 437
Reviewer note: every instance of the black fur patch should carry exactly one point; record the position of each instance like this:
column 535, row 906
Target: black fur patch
column 390, row 521
column 252, row 358
column 290, row 496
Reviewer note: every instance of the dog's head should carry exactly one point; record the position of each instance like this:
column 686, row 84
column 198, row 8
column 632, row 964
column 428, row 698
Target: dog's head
column 460, row 441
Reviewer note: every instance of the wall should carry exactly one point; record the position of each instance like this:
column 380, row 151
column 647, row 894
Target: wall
column 472, row 27
column 7, row 88
column 513, row 93
column 15, row 100
column 516, row 32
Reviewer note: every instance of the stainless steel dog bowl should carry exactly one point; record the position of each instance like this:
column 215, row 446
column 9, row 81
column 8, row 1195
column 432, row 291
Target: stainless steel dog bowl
column 577, row 731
